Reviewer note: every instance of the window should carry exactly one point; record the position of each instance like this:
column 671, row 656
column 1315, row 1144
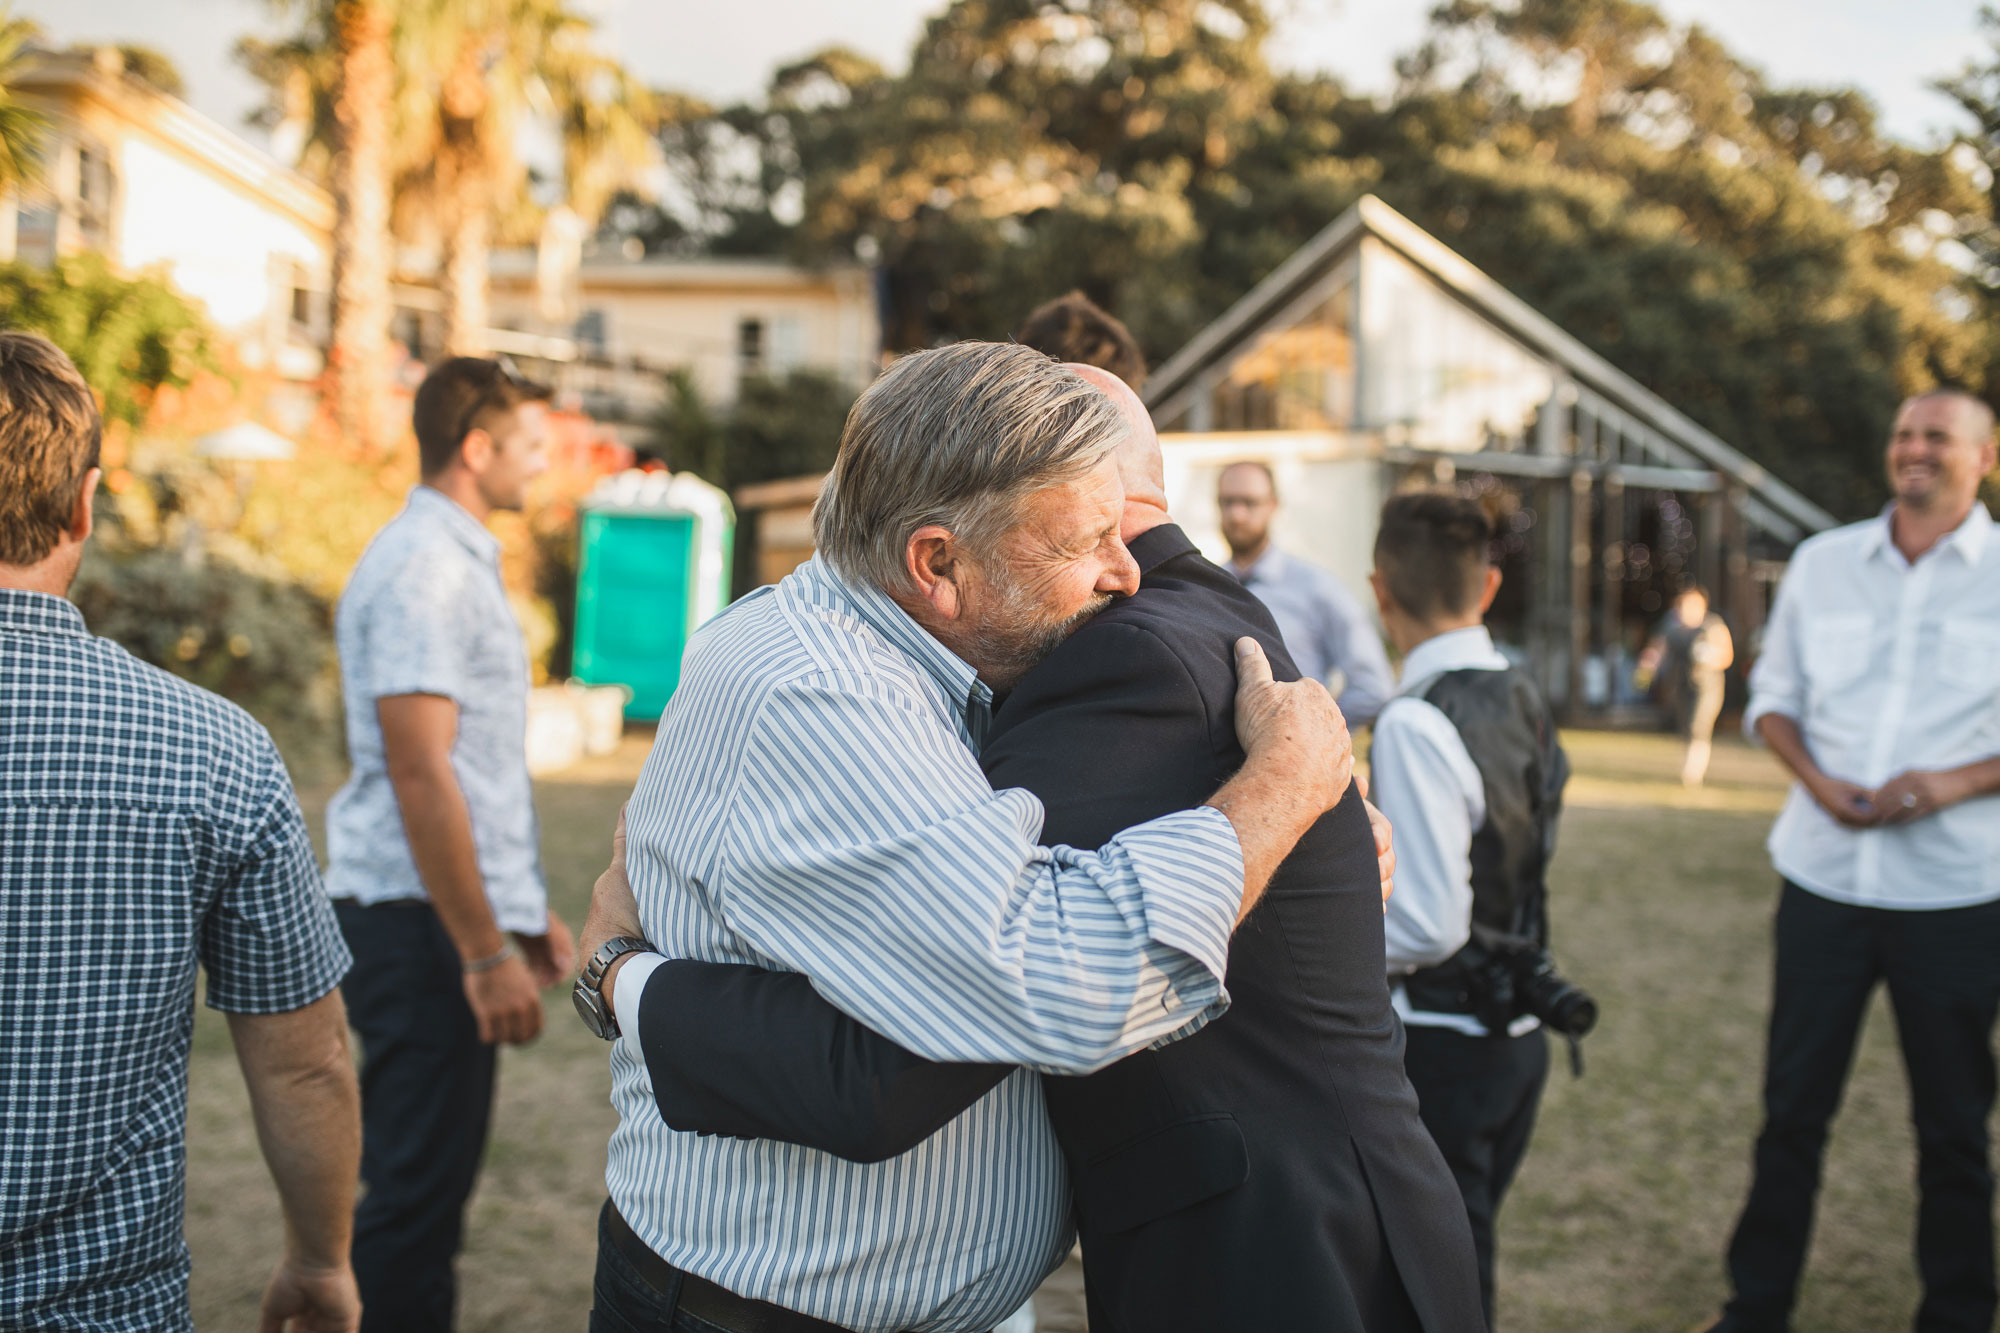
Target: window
column 1299, row 376
column 750, row 346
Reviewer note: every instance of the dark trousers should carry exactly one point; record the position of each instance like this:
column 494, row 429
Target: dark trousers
column 1943, row 972
column 621, row 1301
column 426, row 1098
column 1478, row 1097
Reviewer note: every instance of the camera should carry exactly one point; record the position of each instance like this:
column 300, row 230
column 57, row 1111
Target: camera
column 1509, row 984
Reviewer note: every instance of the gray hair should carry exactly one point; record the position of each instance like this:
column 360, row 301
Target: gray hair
column 959, row 437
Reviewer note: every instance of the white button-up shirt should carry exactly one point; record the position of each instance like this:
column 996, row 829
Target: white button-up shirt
column 1423, row 778
column 1888, row 666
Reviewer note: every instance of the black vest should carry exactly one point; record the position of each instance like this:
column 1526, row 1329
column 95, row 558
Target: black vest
column 1508, row 732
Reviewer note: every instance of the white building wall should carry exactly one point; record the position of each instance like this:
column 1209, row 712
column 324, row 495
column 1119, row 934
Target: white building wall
column 1330, row 489
column 219, row 245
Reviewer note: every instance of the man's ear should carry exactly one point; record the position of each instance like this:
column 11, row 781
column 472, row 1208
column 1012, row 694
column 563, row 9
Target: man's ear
column 84, row 517
column 1490, row 590
column 936, row 567
column 1383, row 601
column 477, row 451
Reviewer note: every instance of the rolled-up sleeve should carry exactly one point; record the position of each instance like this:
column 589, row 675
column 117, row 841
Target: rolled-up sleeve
column 866, row 850
column 1777, row 682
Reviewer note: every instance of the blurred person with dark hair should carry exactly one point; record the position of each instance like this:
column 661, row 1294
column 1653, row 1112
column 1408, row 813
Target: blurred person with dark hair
column 435, row 858
column 146, row 828
column 1690, row 651
column 1878, row 686
column 1075, row 328
column 1467, row 767
column 1325, row 628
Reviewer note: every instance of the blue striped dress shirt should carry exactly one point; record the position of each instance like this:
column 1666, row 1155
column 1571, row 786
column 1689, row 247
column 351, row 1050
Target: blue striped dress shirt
column 814, row 803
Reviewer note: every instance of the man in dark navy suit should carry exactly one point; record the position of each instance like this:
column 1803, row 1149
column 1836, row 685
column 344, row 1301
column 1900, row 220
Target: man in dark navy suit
column 1267, row 1173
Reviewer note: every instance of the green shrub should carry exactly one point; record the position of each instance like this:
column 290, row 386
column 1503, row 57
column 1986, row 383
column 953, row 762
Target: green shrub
column 128, row 336
column 264, row 642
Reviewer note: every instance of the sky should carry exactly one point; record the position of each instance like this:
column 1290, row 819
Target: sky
column 725, row 51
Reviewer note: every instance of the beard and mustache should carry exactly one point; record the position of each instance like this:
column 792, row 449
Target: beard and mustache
column 1016, row 633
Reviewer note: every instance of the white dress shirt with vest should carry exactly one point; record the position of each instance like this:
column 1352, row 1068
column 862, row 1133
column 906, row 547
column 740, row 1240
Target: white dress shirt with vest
column 1422, row 777
column 1888, row 666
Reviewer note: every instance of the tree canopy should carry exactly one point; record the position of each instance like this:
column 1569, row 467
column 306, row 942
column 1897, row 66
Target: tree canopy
column 1765, row 257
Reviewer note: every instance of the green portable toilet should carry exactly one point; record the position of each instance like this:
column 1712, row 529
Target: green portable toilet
column 654, row 565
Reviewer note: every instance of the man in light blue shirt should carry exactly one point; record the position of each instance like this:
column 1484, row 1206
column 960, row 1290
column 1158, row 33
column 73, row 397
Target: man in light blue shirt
column 814, row 803
column 436, row 870
column 1324, row 626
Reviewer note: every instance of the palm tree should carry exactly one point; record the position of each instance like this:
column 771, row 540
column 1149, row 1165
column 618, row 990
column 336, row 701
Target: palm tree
column 23, row 130
column 515, row 59
column 465, row 75
column 363, row 92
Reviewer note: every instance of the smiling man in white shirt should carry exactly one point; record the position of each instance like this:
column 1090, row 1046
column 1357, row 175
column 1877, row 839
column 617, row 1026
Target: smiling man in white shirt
column 1879, row 687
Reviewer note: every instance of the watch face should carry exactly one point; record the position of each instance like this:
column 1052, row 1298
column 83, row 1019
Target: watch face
column 590, row 1007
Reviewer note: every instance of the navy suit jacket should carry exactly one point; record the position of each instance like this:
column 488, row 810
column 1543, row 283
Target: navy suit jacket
column 1267, row 1173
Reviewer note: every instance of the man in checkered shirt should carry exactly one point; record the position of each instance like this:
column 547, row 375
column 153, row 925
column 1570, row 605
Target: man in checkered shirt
column 145, row 827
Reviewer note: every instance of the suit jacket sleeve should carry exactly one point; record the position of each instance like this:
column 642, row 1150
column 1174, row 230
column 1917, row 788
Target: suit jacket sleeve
column 740, row 1051
column 737, row 1050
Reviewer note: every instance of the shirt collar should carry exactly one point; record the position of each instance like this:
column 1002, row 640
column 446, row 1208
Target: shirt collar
column 876, row 609
column 1157, row 545
column 1968, row 538
column 471, row 533
column 24, row 612
column 1454, row 650
column 1268, row 566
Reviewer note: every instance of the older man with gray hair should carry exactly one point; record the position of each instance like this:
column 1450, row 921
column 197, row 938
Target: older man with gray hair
column 814, row 804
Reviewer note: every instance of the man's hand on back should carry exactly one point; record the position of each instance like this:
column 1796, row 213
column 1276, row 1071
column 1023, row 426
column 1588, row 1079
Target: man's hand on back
column 1385, row 849
column 1296, row 724
column 1298, row 761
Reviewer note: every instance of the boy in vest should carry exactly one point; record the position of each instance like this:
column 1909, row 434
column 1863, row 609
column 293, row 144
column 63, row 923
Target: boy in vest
column 1466, row 766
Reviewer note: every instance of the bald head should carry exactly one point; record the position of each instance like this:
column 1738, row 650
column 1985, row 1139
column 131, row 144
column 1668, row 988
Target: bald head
column 1140, row 466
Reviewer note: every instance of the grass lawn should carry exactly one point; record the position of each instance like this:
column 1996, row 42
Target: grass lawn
column 1662, row 906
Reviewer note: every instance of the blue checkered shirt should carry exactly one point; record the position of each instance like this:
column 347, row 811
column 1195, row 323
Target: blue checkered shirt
column 145, row 827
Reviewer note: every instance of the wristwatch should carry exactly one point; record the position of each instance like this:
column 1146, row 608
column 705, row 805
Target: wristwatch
column 588, row 993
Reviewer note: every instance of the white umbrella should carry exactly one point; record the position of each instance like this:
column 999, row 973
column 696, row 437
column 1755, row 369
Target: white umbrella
column 246, row 442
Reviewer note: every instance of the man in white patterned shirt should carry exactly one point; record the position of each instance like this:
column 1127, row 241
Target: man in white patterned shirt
column 146, row 826
column 435, row 856
column 814, row 804
column 1879, row 687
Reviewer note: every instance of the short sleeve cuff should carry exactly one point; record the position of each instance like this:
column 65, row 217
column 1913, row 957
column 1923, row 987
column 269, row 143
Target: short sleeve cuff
column 1190, row 871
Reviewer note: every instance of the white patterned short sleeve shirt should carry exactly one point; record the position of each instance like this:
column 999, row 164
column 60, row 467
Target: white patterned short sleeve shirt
column 425, row 612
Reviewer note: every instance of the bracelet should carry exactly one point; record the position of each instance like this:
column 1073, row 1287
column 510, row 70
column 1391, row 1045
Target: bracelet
column 488, row 964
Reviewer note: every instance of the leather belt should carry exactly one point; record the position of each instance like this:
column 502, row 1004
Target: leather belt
column 702, row 1298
